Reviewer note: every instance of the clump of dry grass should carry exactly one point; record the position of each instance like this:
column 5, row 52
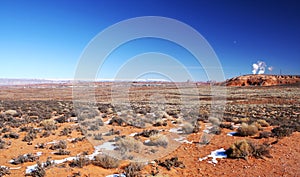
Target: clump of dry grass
column 159, row 140
column 188, row 127
column 263, row 123
column 133, row 169
column 24, row 158
column 30, row 135
column 66, row 131
column 244, row 149
column 282, row 131
column 247, row 130
column 80, row 162
column 147, row 133
column 214, row 121
column 265, row 134
column 129, row 144
column 39, row 171
column 59, row 145
column 62, row 152
column 106, row 161
column 4, row 171
column 2, row 144
column 13, row 135
column 172, row 162
column 49, row 124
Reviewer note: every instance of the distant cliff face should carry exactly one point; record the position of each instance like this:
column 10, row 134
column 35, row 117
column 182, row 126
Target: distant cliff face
column 262, row 80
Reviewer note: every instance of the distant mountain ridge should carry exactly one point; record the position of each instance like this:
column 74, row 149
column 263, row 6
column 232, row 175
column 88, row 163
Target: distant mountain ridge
column 8, row 82
column 262, row 80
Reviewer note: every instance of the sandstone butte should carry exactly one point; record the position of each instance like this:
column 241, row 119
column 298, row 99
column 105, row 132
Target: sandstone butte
column 262, row 80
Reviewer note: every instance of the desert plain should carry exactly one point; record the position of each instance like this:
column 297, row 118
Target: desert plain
column 149, row 129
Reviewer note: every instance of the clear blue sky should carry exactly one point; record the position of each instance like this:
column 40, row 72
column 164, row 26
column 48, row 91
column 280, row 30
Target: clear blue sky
column 44, row 39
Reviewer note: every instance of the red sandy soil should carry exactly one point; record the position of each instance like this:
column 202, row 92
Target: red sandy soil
column 285, row 154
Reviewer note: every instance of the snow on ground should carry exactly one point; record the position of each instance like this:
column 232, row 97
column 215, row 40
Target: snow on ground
column 107, row 122
column 116, row 175
column 214, row 155
column 182, row 139
column 133, row 134
column 231, row 133
column 106, row 145
column 176, row 130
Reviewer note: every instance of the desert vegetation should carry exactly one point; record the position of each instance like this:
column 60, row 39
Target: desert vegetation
column 90, row 139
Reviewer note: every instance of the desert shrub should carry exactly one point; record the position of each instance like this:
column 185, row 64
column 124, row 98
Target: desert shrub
column 11, row 135
column 86, row 113
column 244, row 120
column 117, row 121
column 24, row 158
column 263, row 123
column 80, row 162
column 187, row 128
column 59, row 145
column 147, row 133
column 106, row 161
column 205, row 139
column 227, row 126
column 48, row 163
column 172, row 162
column 159, row 140
column 133, row 170
column 138, row 123
column 39, row 171
column 25, row 129
column 93, row 127
column 247, row 130
column 129, row 144
column 281, row 131
column 264, row 134
column 159, row 122
column 78, row 139
column 5, row 129
column 4, row 171
column 46, row 133
column 215, row 130
column 259, row 127
column 66, row 131
column 62, row 152
column 2, row 144
column 61, row 119
column 30, row 136
column 261, row 150
column 178, row 121
column 244, row 149
column 49, row 125
column 98, row 136
column 240, row 149
column 214, row 121
column 99, row 122
column 172, row 112
column 40, row 146
column 76, row 174
column 112, row 132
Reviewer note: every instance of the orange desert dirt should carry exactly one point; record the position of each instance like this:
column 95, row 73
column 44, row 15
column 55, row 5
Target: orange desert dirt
column 258, row 128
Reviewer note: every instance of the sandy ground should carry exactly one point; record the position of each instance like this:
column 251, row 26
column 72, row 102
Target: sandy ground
column 285, row 154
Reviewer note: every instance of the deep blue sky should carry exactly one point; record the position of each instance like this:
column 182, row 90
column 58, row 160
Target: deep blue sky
column 44, row 39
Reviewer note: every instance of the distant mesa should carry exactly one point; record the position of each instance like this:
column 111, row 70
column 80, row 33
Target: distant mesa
column 262, row 80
